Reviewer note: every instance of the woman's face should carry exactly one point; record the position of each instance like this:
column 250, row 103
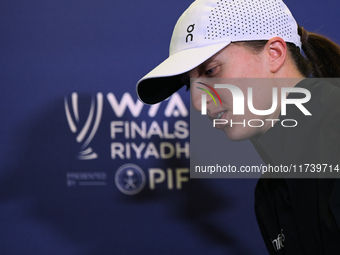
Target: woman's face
column 236, row 61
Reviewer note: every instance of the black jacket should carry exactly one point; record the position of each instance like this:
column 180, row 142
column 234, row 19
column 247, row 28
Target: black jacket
column 302, row 215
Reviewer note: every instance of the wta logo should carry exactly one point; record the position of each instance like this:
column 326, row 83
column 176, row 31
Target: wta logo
column 82, row 129
column 204, row 97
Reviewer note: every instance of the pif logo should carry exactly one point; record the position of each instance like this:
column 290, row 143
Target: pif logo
column 190, row 29
column 130, row 179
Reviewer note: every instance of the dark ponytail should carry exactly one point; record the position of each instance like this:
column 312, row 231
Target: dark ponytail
column 323, row 55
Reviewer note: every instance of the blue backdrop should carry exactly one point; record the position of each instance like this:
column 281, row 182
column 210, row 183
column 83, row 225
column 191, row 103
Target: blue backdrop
column 87, row 169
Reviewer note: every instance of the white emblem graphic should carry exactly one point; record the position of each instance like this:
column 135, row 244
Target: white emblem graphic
column 84, row 137
column 130, row 179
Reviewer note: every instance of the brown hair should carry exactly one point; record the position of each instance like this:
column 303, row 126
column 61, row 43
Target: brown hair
column 322, row 56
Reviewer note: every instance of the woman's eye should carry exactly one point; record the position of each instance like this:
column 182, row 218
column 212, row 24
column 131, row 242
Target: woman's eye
column 210, row 72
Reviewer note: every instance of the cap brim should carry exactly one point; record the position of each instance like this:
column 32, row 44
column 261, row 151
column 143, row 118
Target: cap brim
column 163, row 80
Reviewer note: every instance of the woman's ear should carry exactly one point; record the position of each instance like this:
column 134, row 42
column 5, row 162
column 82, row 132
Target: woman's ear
column 277, row 53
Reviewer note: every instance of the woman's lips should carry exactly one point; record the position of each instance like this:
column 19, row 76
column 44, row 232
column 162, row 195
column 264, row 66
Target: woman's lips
column 221, row 116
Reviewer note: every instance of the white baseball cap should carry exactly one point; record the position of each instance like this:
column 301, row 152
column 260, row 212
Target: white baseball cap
column 208, row 26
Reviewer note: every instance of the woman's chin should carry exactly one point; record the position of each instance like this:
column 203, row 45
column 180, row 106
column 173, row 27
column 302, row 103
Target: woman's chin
column 237, row 133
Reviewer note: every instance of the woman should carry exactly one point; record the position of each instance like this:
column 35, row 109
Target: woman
column 261, row 39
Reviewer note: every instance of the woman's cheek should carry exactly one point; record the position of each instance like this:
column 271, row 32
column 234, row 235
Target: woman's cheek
column 196, row 101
